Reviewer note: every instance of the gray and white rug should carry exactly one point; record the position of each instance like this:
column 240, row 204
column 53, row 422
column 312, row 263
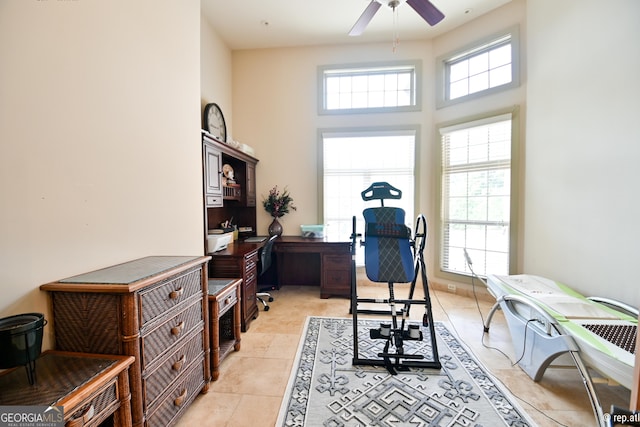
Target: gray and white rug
column 326, row 389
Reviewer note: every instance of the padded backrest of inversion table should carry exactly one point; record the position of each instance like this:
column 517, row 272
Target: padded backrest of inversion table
column 388, row 255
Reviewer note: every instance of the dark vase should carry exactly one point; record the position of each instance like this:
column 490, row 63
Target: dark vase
column 275, row 228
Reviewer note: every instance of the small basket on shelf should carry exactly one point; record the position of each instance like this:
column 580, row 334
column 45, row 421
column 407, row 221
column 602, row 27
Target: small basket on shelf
column 232, row 191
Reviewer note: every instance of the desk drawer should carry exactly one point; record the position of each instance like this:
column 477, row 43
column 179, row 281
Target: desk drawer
column 157, row 341
column 336, row 262
column 337, row 279
column 336, row 275
column 251, row 260
column 96, row 408
column 159, row 299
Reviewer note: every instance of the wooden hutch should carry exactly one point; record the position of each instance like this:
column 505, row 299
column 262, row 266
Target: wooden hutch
column 236, row 202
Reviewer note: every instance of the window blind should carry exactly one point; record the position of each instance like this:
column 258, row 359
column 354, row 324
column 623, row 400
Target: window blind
column 476, row 196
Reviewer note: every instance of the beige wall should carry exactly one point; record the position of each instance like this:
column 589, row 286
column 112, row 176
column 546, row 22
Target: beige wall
column 583, row 145
column 275, row 110
column 216, row 73
column 99, row 138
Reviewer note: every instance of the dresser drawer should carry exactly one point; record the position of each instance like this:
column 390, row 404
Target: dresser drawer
column 96, row 408
column 178, row 397
column 167, row 334
column 159, row 299
column 157, row 381
column 226, row 300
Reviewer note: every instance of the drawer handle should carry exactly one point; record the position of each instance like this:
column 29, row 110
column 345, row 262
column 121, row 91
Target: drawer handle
column 176, row 294
column 180, row 363
column 87, row 415
column 180, row 399
column 227, row 300
column 177, row 330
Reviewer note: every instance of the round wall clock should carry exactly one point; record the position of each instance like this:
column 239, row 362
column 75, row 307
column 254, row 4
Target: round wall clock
column 214, row 122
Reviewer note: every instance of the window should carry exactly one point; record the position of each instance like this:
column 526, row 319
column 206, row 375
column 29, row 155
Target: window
column 351, row 162
column 476, row 196
column 369, row 88
column 486, row 67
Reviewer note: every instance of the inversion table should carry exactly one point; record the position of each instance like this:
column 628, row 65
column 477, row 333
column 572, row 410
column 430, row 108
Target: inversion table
column 392, row 256
column 547, row 319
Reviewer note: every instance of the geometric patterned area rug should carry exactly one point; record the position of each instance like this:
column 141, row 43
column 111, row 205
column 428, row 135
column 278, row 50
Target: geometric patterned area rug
column 326, row 390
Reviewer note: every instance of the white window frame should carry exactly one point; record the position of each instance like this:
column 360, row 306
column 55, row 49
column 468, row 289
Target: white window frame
column 443, row 67
column 465, row 274
column 370, row 69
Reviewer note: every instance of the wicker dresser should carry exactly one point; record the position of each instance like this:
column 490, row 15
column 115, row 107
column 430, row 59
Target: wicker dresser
column 154, row 309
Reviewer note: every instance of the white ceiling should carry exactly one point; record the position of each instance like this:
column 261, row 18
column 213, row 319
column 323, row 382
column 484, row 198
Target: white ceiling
column 251, row 24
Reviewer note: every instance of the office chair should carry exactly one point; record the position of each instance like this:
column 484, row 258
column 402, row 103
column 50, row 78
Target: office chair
column 264, row 262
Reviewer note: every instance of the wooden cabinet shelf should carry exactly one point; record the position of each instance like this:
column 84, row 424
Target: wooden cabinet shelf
column 223, row 201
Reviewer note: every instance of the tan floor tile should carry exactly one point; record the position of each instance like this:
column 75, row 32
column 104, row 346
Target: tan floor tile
column 211, row 409
column 257, row 376
column 256, row 411
column 252, row 381
column 283, row 346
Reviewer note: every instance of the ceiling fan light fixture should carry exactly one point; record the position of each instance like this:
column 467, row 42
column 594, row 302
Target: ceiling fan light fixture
column 393, row 4
column 424, row 8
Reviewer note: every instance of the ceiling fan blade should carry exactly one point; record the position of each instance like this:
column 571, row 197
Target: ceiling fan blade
column 427, row 10
column 365, row 18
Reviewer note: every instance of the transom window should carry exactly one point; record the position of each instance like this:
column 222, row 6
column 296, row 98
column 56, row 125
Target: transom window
column 486, row 67
column 476, row 71
column 356, row 89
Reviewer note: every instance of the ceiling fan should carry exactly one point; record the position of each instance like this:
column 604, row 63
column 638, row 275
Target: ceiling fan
column 425, row 9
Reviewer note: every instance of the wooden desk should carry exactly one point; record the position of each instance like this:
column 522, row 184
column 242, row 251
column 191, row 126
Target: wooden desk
column 224, row 318
column 89, row 387
column 325, row 262
column 300, row 261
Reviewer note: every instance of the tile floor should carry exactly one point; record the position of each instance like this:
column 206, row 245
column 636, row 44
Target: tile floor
column 253, row 380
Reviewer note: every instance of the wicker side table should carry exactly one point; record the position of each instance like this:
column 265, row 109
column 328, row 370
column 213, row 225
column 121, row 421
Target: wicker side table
column 224, row 316
column 90, row 387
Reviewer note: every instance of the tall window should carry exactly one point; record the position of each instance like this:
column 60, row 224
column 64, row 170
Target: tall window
column 485, row 67
column 352, row 161
column 368, row 88
column 476, row 196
